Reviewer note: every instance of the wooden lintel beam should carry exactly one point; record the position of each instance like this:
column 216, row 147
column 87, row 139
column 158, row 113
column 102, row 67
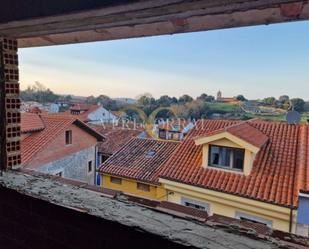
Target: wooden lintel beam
column 149, row 18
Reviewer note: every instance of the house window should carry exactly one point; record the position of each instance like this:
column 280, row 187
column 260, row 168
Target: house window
column 89, row 166
column 68, row 137
column 194, row 204
column 115, row 180
column 252, row 218
column 226, row 157
column 143, row 187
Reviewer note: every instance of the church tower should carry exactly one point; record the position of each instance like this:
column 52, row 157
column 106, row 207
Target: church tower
column 219, row 95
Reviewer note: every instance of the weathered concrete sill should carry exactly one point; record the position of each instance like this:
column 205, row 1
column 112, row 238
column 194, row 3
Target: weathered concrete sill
column 119, row 210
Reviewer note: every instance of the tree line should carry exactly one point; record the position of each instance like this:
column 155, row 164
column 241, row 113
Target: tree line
column 185, row 106
column 285, row 102
column 39, row 93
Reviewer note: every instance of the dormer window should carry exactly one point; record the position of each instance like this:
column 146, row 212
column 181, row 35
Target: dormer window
column 226, row 157
column 231, row 148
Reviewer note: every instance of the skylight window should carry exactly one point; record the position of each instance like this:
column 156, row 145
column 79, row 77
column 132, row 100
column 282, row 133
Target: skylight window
column 151, row 153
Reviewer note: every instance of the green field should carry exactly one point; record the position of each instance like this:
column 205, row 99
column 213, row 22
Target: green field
column 223, row 107
column 233, row 108
column 279, row 117
column 270, row 117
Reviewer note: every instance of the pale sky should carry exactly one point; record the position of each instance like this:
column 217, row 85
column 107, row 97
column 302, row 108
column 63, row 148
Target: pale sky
column 257, row 61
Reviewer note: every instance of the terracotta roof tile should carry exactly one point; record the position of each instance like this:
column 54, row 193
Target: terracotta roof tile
column 140, row 159
column 183, row 211
column 223, row 220
column 244, row 131
column 31, row 122
column 279, row 166
column 85, row 109
column 115, row 137
column 53, row 125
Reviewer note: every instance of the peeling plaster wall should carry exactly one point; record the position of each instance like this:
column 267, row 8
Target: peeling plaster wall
column 39, row 212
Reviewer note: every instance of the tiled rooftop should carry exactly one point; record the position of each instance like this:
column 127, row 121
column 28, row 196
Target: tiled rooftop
column 53, row 125
column 85, row 110
column 115, row 137
column 31, row 122
column 140, row 159
column 279, row 171
column 244, row 131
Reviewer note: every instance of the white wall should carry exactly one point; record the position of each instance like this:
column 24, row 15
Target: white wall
column 101, row 115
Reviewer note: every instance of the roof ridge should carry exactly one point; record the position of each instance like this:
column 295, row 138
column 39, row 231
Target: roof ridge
column 241, row 122
column 234, row 125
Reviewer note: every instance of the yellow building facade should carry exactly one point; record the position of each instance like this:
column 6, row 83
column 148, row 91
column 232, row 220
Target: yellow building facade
column 134, row 187
column 276, row 217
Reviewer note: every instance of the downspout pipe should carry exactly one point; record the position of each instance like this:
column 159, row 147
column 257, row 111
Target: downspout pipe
column 291, row 220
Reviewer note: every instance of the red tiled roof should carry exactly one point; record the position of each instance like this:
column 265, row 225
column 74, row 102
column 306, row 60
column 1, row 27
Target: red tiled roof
column 303, row 170
column 224, row 220
column 81, row 107
column 115, row 137
column 140, row 159
column 244, row 131
column 143, row 202
column 31, row 122
column 53, row 125
column 183, row 211
column 86, row 110
column 280, row 168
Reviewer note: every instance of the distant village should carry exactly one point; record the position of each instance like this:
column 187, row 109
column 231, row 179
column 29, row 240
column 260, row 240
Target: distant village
column 216, row 163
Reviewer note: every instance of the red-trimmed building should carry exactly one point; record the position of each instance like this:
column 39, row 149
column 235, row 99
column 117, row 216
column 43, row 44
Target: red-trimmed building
column 60, row 145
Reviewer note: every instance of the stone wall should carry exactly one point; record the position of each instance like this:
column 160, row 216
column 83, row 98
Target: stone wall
column 74, row 166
